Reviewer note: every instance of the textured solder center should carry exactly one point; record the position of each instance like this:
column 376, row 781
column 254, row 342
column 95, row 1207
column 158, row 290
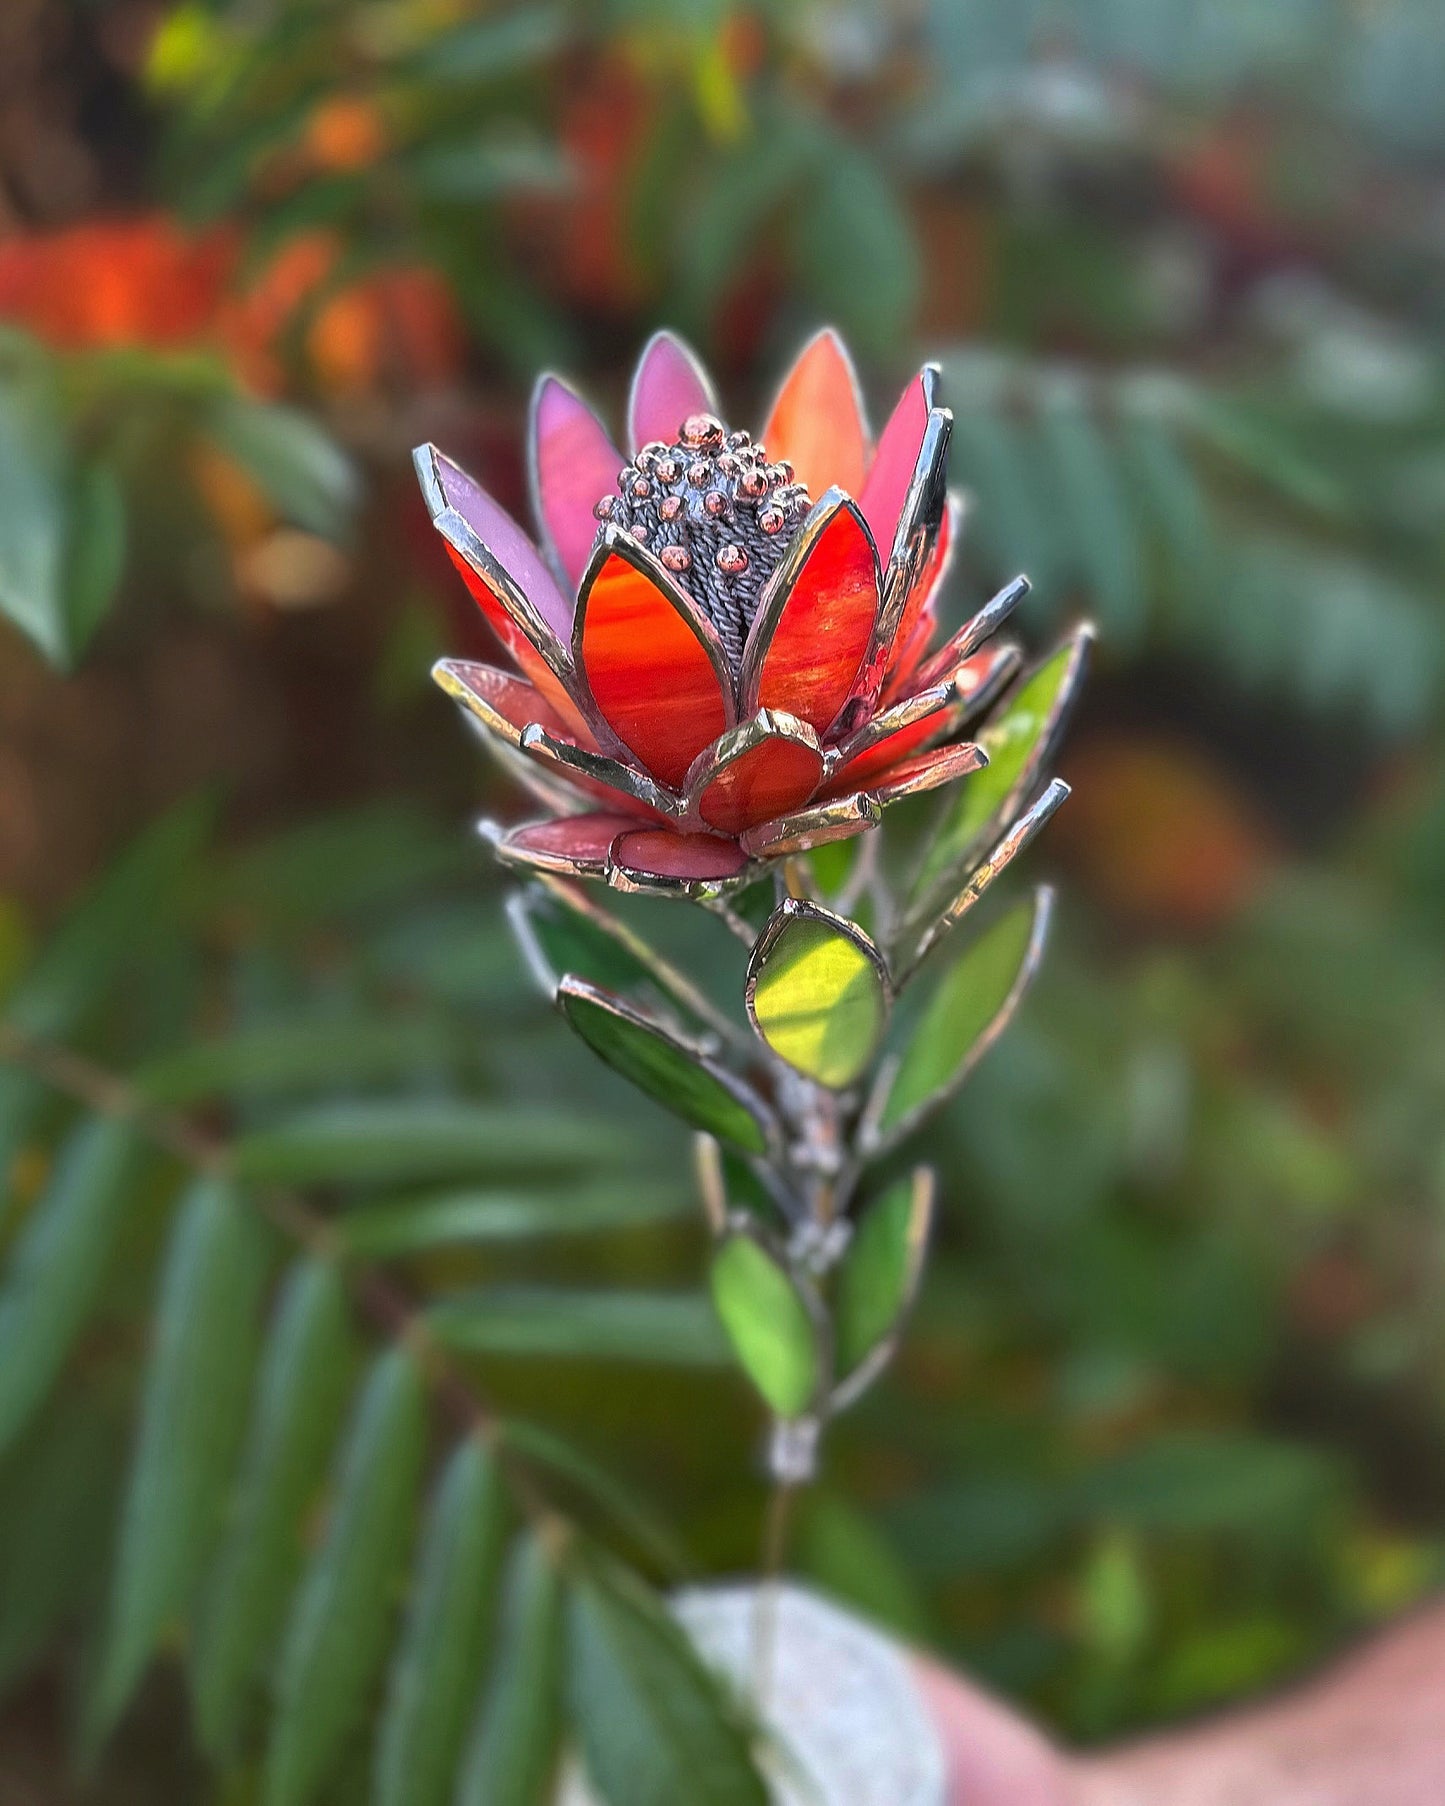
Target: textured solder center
column 716, row 513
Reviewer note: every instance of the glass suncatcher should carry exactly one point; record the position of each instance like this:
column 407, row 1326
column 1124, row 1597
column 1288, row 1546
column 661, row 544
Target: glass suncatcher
column 727, row 663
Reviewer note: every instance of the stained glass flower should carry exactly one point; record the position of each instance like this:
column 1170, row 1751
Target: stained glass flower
column 723, row 648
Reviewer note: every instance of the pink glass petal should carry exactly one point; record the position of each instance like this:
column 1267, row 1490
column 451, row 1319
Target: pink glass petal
column 670, row 384
column 892, row 469
column 694, row 858
column 508, row 544
column 825, row 623
column 817, row 421
column 650, row 673
column 571, row 841
column 773, row 778
column 574, row 463
column 499, row 694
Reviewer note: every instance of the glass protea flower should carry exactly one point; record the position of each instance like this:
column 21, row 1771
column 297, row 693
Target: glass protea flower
column 747, row 668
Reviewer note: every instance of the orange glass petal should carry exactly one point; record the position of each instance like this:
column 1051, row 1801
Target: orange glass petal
column 773, row 778
column 649, row 673
column 816, row 422
column 825, row 627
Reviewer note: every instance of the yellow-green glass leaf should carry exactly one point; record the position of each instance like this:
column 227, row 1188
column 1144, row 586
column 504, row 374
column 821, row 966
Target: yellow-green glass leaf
column 878, row 1274
column 968, row 1008
column 1017, row 740
column 767, row 1323
column 818, row 999
column 665, row 1067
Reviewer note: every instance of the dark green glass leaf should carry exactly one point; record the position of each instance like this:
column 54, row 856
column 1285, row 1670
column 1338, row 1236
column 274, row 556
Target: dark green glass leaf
column 300, row 1390
column 880, row 1271
column 1019, row 740
column 818, row 993
column 768, row 1323
column 55, row 1269
column 674, row 1328
column 563, row 931
column 656, row 1727
column 512, row 1752
column 968, row 1008
column 439, row 1660
column 336, row 1637
column 667, row 1068
column 192, row 1415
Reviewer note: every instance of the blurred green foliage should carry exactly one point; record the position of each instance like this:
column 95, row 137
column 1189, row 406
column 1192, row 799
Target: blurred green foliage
column 1168, row 1425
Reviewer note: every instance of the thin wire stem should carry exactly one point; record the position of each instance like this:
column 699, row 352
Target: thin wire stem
column 777, row 1520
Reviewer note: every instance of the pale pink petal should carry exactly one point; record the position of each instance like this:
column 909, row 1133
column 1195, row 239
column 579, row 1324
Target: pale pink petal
column 573, row 464
column 670, row 384
column 892, row 469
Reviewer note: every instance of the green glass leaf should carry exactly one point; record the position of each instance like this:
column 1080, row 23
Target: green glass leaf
column 439, row 1660
column 562, row 931
column 678, row 1075
column 300, row 1390
column 1019, row 740
column 769, row 1325
column 336, row 1637
column 818, row 993
column 55, row 1269
column 512, row 1751
column 192, row 1415
column 673, row 1328
column 880, row 1271
column 969, row 1006
column 655, row 1726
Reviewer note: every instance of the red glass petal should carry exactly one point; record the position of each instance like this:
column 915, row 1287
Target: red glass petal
column 817, row 420
column 775, row 777
column 652, row 676
column 892, row 469
column 670, row 384
column 574, row 463
column 892, row 748
column 580, row 842
column 929, row 770
column 692, row 858
column 826, row 605
column 519, row 648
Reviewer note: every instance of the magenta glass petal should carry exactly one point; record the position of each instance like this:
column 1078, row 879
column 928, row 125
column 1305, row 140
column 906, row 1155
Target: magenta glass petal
column 669, row 385
column 507, row 542
column 892, row 469
column 574, row 463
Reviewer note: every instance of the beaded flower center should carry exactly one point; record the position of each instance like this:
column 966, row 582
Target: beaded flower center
column 715, row 513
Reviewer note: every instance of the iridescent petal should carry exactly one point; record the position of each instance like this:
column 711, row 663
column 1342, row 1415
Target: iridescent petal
column 769, row 766
column 654, row 665
column 891, row 473
column 669, row 384
column 815, row 621
column 573, row 463
column 817, row 421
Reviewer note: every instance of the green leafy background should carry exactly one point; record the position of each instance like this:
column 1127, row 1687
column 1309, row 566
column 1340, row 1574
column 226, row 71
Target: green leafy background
column 358, row 1375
